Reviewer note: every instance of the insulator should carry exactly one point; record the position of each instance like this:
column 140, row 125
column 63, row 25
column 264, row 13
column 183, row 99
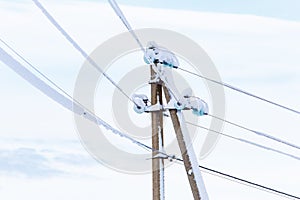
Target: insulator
column 156, row 54
column 140, row 103
column 199, row 107
column 179, row 105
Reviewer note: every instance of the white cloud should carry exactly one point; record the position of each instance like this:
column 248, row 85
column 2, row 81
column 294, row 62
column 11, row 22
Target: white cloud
column 29, row 158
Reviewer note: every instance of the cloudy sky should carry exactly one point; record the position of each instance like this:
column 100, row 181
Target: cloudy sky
column 255, row 45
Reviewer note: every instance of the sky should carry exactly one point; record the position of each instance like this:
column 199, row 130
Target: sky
column 254, row 45
column 277, row 9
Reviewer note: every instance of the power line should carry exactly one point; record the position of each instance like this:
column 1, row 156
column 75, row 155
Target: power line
column 120, row 14
column 122, row 17
column 67, row 102
column 247, row 141
column 77, row 47
column 242, row 91
column 129, row 28
column 243, row 181
column 253, row 184
column 268, row 136
column 86, row 56
column 64, row 92
column 37, row 70
column 91, row 61
column 27, row 75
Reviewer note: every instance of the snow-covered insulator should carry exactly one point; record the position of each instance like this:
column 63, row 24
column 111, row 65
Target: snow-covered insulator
column 183, row 101
column 157, row 54
column 199, row 107
column 140, row 103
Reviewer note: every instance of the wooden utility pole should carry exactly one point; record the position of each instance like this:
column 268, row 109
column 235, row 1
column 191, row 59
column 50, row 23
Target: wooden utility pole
column 183, row 143
column 157, row 141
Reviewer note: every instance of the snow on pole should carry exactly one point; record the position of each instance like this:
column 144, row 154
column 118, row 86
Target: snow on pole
column 161, row 165
column 193, row 159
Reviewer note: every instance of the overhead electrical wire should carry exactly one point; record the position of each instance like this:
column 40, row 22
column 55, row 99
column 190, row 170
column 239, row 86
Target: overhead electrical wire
column 122, row 17
column 120, row 14
column 125, row 22
column 66, row 102
column 118, row 11
column 244, row 181
column 95, row 65
column 77, row 47
column 72, row 104
column 268, row 136
column 241, row 91
column 36, row 69
column 252, row 184
column 247, row 141
column 84, row 108
column 85, row 55
column 129, row 28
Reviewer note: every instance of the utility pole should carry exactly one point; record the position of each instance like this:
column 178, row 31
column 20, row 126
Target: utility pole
column 184, row 142
column 157, row 140
column 161, row 82
column 187, row 152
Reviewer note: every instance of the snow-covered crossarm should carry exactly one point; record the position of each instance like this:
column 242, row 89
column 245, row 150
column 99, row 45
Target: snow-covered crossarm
column 160, row 58
column 197, row 105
